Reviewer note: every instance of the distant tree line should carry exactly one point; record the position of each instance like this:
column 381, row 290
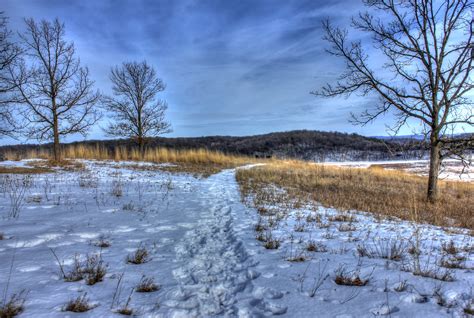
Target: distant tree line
column 302, row 144
column 46, row 94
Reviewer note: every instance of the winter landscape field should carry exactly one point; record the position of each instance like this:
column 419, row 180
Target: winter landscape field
column 237, row 158
column 132, row 238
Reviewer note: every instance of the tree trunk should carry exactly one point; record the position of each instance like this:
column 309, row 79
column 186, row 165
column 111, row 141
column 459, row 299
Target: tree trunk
column 141, row 147
column 56, row 148
column 432, row 194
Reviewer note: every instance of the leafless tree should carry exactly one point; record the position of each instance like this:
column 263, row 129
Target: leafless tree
column 426, row 70
column 56, row 92
column 9, row 52
column 137, row 111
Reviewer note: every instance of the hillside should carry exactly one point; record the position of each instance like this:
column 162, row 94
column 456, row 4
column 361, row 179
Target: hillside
column 300, row 144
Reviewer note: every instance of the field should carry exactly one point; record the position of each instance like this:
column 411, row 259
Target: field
column 385, row 192
column 211, row 235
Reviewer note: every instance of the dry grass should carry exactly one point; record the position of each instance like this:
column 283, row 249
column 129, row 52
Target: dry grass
column 92, row 269
column 13, row 307
column 147, row 285
column 195, row 161
column 24, row 170
column 125, row 311
column 140, row 256
column 349, row 278
column 386, row 192
column 79, row 304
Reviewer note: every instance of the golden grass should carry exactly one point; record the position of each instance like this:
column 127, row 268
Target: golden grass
column 196, row 161
column 386, row 192
column 24, row 170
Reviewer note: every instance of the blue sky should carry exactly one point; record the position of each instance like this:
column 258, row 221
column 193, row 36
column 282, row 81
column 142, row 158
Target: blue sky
column 231, row 67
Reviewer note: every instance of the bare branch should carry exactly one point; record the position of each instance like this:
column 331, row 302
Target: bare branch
column 56, row 92
column 135, row 108
column 427, row 71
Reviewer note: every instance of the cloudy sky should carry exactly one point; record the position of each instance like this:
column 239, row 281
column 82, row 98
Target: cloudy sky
column 231, row 67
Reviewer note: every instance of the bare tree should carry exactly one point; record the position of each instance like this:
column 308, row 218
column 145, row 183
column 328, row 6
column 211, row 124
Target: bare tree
column 56, row 91
column 426, row 70
column 9, row 52
column 137, row 111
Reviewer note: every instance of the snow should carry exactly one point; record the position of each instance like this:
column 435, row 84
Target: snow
column 452, row 169
column 204, row 255
column 15, row 164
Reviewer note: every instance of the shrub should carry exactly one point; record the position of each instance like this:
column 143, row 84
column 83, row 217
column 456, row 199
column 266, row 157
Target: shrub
column 95, row 269
column 79, row 304
column 13, row 307
column 349, row 278
column 316, row 247
column 102, row 242
column 147, row 285
column 392, row 249
column 140, row 256
column 92, row 269
column 449, row 248
column 117, row 188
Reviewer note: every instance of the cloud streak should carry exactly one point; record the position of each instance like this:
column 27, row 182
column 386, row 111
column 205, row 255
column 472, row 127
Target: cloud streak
column 231, row 67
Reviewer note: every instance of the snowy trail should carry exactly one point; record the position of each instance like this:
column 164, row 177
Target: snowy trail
column 216, row 272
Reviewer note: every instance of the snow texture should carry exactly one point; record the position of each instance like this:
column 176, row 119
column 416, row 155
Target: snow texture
column 203, row 253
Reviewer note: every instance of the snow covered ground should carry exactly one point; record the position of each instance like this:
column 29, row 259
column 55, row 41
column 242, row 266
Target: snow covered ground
column 204, row 255
column 452, row 169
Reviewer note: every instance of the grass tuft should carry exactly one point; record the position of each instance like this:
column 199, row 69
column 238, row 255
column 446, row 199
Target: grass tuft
column 140, row 256
column 13, row 307
column 349, row 278
column 316, row 247
column 147, row 285
column 79, row 304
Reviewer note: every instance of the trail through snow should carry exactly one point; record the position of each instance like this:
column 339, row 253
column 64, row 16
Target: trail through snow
column 216, row 272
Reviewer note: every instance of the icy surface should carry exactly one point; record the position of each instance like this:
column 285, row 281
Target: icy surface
column 204, row 255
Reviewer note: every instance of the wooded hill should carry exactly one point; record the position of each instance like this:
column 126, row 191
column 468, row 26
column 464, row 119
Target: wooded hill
column 300, row 144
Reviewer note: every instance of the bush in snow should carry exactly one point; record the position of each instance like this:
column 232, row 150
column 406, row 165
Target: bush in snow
column 349, row 278
column 13, row 307
column 140, row 256
column 147, row 285
column 79, row 304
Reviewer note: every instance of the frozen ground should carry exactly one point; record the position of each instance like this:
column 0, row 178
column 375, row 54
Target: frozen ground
column 452, row 169
column 204, row 255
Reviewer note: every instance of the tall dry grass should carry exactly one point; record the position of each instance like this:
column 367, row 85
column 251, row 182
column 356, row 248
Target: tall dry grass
column 387, row 192
column 201, row 161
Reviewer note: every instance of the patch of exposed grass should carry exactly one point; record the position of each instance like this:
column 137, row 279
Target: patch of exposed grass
column 125, row 311
column 349, row 278
column 92, row 269
column 199, row 169
column 66, row 165
column 386, row 192
column 24, row 170
column 140, row 256
column 13, row 307
column 316, row 247
column 147, row 285
column 79, row 304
